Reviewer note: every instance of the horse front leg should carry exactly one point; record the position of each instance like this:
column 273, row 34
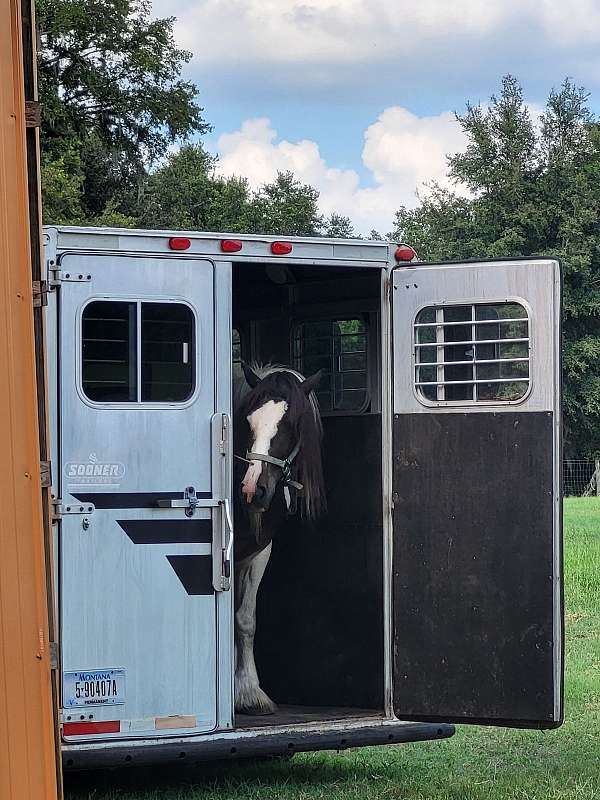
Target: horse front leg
column 249, row 697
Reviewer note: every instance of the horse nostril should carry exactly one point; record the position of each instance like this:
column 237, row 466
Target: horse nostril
column 260, row 493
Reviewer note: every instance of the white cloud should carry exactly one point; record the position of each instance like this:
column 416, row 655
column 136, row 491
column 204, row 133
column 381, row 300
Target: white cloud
column 236, row 32
column 401, row 151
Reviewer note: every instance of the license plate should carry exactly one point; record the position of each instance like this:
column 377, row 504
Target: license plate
column 99, row 687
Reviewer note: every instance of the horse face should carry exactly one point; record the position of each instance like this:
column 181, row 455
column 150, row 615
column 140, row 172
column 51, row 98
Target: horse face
column 270, row 434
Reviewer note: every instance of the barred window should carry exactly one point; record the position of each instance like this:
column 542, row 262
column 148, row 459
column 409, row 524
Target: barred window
column 472, row 353
column 236, row 355
column 236, row 347
column 134, row 352
column 339, row 348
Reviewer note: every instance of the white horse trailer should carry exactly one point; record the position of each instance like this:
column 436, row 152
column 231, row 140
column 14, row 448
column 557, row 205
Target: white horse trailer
column 431, row 592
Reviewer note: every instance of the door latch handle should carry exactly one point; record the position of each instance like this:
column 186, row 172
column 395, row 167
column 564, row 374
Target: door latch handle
column 229, row 546
column 224, row 580
column 193, row 502
column 190, row 502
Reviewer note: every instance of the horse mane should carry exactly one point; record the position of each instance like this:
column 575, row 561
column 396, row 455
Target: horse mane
column 303, row 413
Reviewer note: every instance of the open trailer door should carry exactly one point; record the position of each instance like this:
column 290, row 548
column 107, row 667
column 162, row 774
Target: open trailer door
column 477, row 581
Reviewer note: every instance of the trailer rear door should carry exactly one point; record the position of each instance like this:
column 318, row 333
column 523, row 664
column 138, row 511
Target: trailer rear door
column 477, row 582
column 143, row 522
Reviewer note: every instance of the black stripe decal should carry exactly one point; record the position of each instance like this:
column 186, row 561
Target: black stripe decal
column 131, row 499
column 167, row 531
column 194, row 572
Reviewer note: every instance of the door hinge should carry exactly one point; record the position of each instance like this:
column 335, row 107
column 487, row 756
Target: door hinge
column 46, row 474
column 40, row 293
column 33, row 114
column 59, row 276
column 60, row 509
column 53, row 650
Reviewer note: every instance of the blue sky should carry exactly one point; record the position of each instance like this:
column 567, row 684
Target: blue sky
column 356, row 96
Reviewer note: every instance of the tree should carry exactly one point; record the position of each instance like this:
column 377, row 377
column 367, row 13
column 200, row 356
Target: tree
column 110, row 87
column 63, row 182
column 339, row 227
column 187, row 193
column 286, row 207
column 534, row 191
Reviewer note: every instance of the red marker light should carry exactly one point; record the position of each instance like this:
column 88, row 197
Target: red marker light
column 281, row 248
column 230, row 245
column 404, row 253
column 179, row 243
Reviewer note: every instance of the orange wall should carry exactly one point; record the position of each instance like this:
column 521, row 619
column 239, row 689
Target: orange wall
column 27, row 735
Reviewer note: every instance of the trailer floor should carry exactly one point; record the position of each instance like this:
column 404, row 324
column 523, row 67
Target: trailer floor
column 297, row 715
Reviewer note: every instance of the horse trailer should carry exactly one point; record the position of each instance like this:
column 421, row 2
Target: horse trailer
column 429, row 593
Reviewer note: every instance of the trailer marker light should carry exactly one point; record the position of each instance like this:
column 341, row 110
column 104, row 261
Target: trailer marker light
column 179, row 243
column 281, row 248
column 84, row 728
column 404, row 253
column 230, row 245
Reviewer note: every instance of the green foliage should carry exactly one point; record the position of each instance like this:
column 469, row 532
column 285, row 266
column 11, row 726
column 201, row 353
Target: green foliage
column 339, row 227
column 110, row 89
column 62, row 186
column 187, row 192
column 286, row 207
column 535, row 190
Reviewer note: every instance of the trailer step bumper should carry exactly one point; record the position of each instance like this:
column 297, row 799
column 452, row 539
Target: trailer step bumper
column 250, row 743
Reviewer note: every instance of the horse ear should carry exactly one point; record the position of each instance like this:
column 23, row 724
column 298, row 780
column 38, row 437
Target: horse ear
column 251, row 377
column 310, row 384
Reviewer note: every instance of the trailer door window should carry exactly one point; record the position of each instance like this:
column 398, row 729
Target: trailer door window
column 167, row 352
column 472, row 353
column 137, row 352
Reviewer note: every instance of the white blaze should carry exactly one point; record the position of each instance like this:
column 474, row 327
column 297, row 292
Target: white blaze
column 263, row 424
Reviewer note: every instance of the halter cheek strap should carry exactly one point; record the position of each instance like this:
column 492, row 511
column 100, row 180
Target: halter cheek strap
column 284, row 464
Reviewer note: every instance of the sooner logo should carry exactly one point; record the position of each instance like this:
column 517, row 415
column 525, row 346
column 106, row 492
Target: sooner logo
column 94, row 472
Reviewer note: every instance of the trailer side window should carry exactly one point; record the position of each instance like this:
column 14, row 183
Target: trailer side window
column 137, row 352
column 472, row 353
column 339, row 347
column 109, row 370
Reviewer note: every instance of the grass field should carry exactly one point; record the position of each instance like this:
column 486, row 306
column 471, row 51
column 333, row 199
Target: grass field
column 475, row 763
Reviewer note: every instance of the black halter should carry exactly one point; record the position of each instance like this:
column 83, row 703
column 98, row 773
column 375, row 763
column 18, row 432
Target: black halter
column 284, row 464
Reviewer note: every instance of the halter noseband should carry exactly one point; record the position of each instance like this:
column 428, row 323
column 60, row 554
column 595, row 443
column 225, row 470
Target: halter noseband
column 284, row 464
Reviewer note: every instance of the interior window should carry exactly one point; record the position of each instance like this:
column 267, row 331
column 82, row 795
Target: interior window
column 236, row 354
column 114, row 333
column 339, row 348
column 472, row 353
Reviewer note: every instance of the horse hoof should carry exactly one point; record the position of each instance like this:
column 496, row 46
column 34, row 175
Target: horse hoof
column 258, row 705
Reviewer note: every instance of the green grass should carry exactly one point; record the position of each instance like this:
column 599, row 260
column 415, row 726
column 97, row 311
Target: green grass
column 475, row 763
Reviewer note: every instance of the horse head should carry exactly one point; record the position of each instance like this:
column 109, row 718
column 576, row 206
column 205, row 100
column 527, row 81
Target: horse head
column 283, row 439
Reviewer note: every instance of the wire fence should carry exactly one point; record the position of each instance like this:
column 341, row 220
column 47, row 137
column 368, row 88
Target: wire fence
column 581, row 478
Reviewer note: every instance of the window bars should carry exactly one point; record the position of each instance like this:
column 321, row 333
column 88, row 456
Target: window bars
column 472, row 353
column 340, row 348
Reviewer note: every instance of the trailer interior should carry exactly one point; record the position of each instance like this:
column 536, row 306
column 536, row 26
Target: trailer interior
column 320, row 617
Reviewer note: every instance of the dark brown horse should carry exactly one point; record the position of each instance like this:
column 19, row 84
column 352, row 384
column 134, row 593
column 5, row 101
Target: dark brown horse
column 277, row 436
